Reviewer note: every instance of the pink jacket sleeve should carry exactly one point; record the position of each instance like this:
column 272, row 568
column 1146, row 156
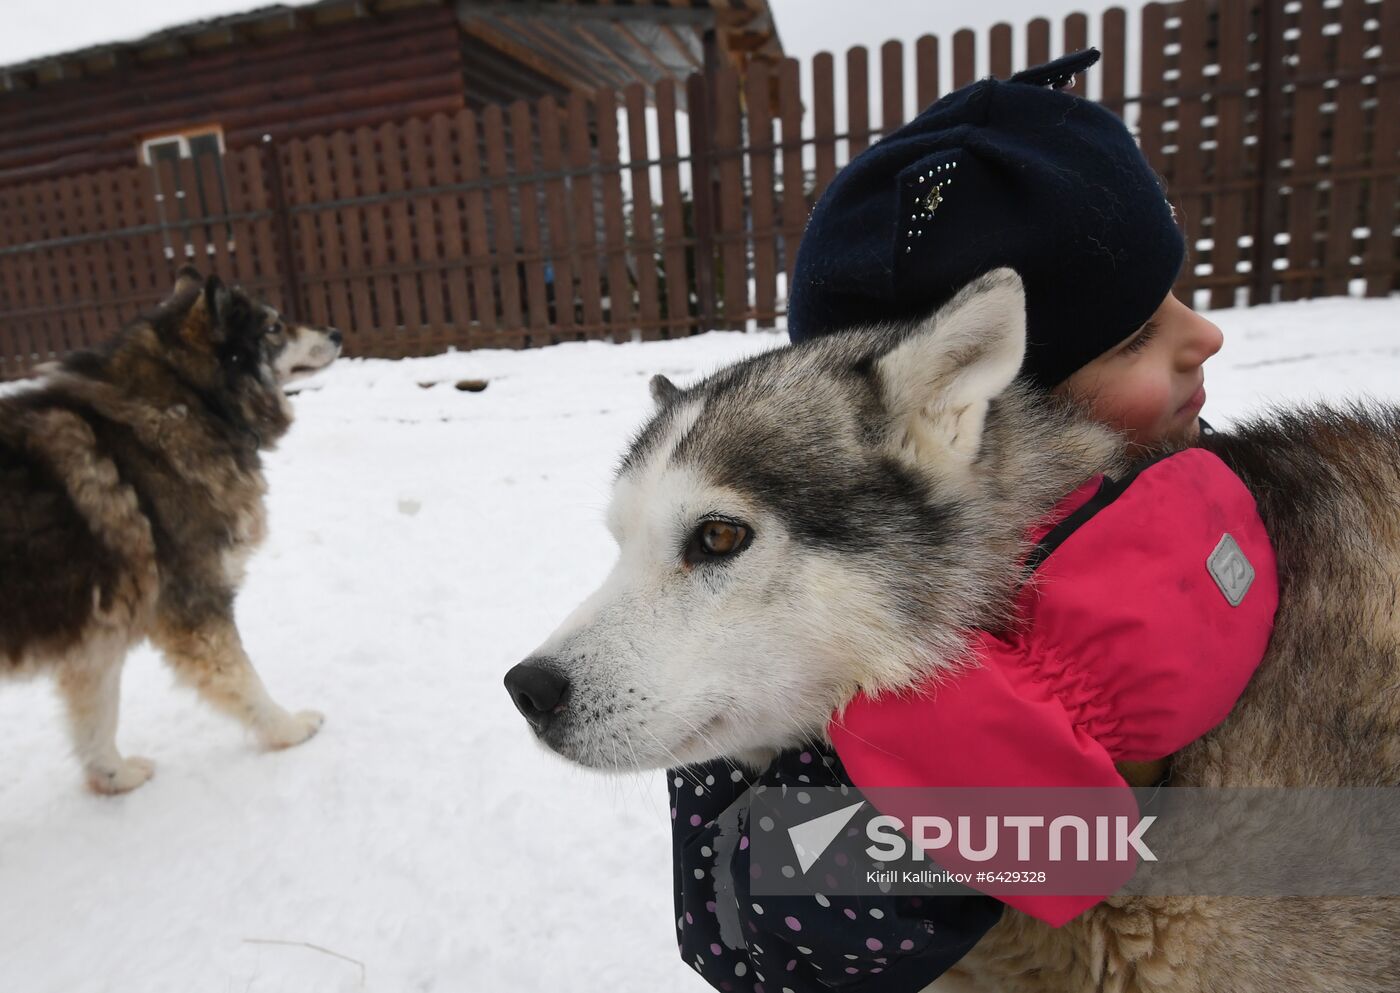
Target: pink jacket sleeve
column 1151, row 606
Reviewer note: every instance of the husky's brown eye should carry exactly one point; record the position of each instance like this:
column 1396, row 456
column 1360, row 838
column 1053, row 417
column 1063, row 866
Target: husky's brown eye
column 716, row 539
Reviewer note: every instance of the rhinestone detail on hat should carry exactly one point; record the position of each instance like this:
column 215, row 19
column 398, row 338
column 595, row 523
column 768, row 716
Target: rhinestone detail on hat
column 934, row 185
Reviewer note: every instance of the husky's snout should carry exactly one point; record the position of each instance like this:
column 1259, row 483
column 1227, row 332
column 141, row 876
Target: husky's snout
column 540, row 692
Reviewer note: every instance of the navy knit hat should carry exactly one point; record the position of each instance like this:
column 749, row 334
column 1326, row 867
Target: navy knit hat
column 999, row 173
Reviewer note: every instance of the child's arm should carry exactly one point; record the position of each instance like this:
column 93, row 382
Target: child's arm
column 735, row 939
column 1150, row 609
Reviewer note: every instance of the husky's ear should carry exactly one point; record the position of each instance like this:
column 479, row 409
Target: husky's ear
column 939, row 381
column 217, row 304
column 187, row 278
column 664, row 392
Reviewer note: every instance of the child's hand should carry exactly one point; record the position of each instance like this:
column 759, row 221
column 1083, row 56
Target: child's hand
column 809, row 942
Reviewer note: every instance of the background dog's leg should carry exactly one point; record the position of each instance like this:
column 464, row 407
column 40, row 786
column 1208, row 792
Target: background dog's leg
column 210, row 657
column 91, row 688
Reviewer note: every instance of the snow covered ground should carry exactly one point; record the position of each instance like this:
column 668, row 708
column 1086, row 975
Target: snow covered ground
column 423, row 541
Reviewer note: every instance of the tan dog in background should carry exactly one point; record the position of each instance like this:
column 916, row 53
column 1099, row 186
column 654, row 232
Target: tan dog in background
column 131, row 494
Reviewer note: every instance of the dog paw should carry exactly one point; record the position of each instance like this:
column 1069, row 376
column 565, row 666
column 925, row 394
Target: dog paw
column 293, row 729
column 131, row 773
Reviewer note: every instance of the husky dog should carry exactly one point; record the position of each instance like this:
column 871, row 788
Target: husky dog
column 826, row 518
column 131, row 494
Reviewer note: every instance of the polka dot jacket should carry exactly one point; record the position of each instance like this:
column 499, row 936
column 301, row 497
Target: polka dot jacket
column 772, row 944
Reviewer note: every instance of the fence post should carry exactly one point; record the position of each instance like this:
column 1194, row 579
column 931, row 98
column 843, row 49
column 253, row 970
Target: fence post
column 1266, row 176
column 281, row 226
column 697, row 97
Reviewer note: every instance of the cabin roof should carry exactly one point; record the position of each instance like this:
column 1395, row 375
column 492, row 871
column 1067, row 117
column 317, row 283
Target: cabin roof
column 604, row 44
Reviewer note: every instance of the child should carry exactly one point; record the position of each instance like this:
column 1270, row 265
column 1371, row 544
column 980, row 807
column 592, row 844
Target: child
column 1151, row 386
column 1023, row 175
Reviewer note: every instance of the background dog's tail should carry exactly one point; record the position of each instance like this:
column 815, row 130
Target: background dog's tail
column 108, row 505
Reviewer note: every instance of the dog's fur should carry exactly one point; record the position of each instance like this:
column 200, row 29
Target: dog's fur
column 131, row 494
column 884, row 480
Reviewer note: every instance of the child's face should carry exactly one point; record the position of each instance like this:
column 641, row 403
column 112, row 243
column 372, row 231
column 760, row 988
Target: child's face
column 1152, row 386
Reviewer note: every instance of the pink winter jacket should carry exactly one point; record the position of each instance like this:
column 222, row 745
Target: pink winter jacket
column 1151, row 607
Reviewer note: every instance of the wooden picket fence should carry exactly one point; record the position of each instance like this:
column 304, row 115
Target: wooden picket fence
column 1275, row 124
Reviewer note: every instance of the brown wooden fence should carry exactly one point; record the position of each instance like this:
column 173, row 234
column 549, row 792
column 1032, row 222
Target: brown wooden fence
column 1275, row 124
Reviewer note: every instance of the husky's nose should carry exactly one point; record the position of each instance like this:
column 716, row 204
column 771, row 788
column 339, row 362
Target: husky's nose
column 539, row 692
column 335, row 336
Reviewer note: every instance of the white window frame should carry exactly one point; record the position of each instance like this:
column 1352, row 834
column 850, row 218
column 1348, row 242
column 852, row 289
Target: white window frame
column 181, row 138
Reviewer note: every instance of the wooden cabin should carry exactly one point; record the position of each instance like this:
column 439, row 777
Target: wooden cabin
column 284, row 72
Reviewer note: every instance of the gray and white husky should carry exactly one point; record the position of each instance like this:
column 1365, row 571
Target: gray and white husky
column 828, row 517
